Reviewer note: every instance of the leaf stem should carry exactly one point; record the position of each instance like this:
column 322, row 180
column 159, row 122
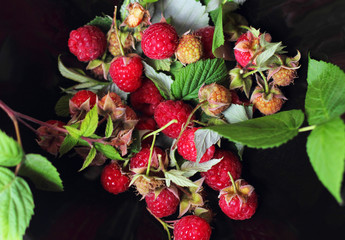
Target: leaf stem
column 265, row 81
column 249, row 73
column 150, row 156
column 161, row 129
column 308, row 128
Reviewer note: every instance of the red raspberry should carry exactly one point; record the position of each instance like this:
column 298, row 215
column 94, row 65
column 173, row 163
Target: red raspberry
column 159, row 41
column 146, row 98
column 141, row 159
column 186, row 147
column 243, row 57
column 146, row 123
column 169, row 110
column 87, row 43
column 126, row 73
column 192, row 228
column 206, row 34
column 82, row 96
column 113, row 180
column 217, row 177
column 239, row 203
column 162, row 205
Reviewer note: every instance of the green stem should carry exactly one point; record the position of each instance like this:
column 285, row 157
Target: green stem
column 164, row 224
column 249, row 73
column 161, row 129
column 233, row 183
column 150, row 156
column 265, row 81
column 308, row 128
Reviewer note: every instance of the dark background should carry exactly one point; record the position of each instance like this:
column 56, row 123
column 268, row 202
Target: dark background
column 292, row 202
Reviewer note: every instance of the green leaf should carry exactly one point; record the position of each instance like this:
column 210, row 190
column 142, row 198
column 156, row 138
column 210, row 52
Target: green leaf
column 177, row 177
column 41, row 172
column 163, row 64
column 185, row 14
column 218, row 36
column 89, row 123
column 190, row 168
column 192, row 77
column 162, row 81
column 104, row 23
column 62, row 106
column 89, row 158
column 326, row 90
column 10, row 151
column 68, row 143
column 108, row 151
column 264, row 132
column 271, row 49
column 114, row 88
column 325, row 148
column 204, row 139
column 238, row 113
column 16, row 205
column 109, row 127
column 74, row 132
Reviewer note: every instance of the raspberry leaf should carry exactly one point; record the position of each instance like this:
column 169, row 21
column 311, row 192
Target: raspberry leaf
column 90, row 122
column 218, row 36
column 109, row 127
column 177, row 177
column 89, row 158
column 264, row 132
column 104, row 23
column 325, row 148
column 238, row 113
column 204, row 139
column 190, row 78
column 185, row 14
column 16, row 205
column 162, row 81
column 191, row 168
column 163, row 64
column 41, row 172
column 108, row 151
column 326, row 90
column 10, row 151
column 74, row 132
column 68, row 143
column 62, row 106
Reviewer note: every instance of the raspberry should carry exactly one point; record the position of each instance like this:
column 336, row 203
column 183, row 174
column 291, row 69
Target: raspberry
column 284, row 76
column 217, row 177
column 243, row 57
column 141, row 159
column 218, row 99
column 50, row 139
column 87, row 43
column 268, row 103
column 162, row 205
column 82, row 96
column 238, row 203
column 126, row 73
column 189, row 49
column 113, row 180
column 169, row 110
column 206, row 35
column 146, row 98
column 192, row 228
column 186, row 147
column 146, row 123
column 159, row 41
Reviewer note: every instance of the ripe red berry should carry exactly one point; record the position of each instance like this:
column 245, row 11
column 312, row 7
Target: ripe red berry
column 159, row 41
column 186, row 147
column 169, row 110
column 146, row 98
column 141, row 159
column 126, row 73
column 243, row 57
column 206, row 35
column 192, row 228
column 162, row 205
column 87, row 43
column 113, row 180
column 217, row 177
column 82, row 96
column 239, row 202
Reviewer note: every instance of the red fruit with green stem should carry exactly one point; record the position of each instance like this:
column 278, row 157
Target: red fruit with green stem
column 83, row 100
column 113, row 179
column 126, row 72
column 87, row 43
column 162, row 203
column 192, row 228
column 239, row 200
column 159, row 41
column 217, row 177
column 169, row 110
column 140, row 161
column 186, row 147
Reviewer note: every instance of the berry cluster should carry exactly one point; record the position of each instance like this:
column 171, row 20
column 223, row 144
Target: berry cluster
column 153, row 142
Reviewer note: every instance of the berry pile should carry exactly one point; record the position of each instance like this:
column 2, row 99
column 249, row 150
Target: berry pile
column 146, row 118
